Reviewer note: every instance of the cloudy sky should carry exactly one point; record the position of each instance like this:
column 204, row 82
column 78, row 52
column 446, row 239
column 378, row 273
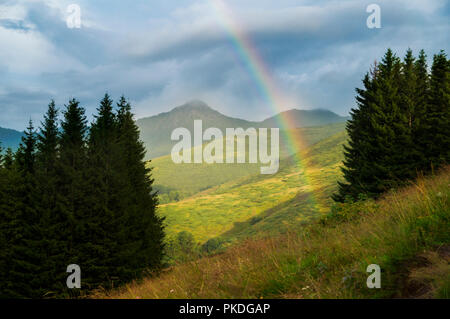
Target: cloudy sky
column 161, row 54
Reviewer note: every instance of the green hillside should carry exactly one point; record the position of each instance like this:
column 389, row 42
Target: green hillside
column 304, row 118
column 177, row 181
column 261, row 203
column 321, row 170
column 405, row 233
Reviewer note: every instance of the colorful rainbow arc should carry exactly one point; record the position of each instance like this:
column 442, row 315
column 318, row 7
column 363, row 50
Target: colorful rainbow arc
column 256, row 67
column 262, row 77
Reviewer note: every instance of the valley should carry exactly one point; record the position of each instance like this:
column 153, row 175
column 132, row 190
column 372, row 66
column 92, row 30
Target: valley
column 234, row 201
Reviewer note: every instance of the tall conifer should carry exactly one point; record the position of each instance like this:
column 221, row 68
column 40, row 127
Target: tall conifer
column 144, row 231
column 52, row 244
column 73, row 190
column 23, row 229
column 437, row 131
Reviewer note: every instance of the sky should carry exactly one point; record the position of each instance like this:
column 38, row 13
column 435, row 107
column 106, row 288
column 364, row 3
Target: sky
column 161, row 54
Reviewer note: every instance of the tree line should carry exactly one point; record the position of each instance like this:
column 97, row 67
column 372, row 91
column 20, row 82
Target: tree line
column 401, row 126
column 77, row 194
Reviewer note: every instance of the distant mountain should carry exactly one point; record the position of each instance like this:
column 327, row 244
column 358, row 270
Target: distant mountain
column 9, row 138
column 156, row 130
column 304, row 118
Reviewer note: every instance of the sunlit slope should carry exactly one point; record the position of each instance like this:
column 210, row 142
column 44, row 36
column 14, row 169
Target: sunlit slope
column 189, row 179
column 262, row 203
column 320, row 171
column 405, row 233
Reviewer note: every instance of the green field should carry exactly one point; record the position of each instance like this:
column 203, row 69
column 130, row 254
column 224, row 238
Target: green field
column 237, row 201
column 184, row 180
column 405, row 232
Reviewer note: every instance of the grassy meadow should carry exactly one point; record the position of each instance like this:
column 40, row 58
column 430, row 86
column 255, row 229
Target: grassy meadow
column 257, row 204
column 189, row 179
column 285, row 238
column 405, row 232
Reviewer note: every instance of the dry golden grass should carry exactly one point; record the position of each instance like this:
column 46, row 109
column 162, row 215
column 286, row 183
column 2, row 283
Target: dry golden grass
column 325, row 260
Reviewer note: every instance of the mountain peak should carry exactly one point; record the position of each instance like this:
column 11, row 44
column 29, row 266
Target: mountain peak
column 195, row 104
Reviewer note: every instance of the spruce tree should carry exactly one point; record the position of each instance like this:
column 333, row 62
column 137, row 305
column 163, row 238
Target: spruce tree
column 377, row 132
column 69, row 197
column 104, row 201
column 73, row 190
column 24, row 258
column 8, row 158
column 144, row 233
column 404, row 156
column 380, row 133
column 48, row 140
column 421, row 98
column 47, row 187
column 400, row 128
column 355, row 155
column 437, row 127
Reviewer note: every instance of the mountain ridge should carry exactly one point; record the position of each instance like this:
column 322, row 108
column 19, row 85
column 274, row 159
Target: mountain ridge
column 10, row 138
column 156, row 130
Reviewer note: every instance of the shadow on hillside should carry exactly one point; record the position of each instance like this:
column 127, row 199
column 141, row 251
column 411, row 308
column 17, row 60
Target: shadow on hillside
column 298, row 210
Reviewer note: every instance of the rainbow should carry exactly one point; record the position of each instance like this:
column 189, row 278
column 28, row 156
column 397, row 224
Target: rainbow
column 257, row 68
column 263, row 78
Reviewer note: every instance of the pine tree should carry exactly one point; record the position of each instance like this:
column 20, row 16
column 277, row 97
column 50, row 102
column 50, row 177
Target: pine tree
column 104, row 200
column 405, row 157
column 144, row 233
column 24, row 258
column 400, row 128
column 26, row 154
column 67, row 197
column 355, row 153
column 377, row 132
column 48, row 140
column 73, row 190
column 421, row 98
column 8, row 158
column 47, row 187
column 437, row 122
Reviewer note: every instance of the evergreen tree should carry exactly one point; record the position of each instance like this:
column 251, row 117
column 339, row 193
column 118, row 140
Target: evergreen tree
column 67, row 197
column 8, row 158
column 356, row 156
column 144, row 234
column 23, row 219
column 404, row 156
column 400, row 128
column 421, row 98
column 378, row 131
column 47, row 186
column 370, row 133
column 48, row 141
column 104, row 201
column 437, row 126
column 26, row 154
column 73, row 190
